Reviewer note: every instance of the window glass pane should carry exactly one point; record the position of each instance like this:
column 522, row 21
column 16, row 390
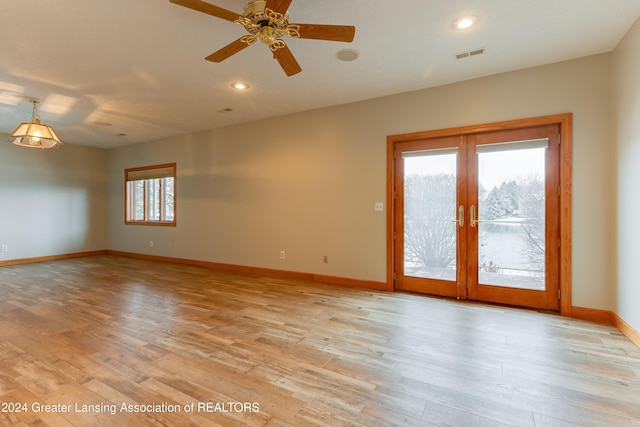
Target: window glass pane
column 137, row 201
column 429, row 214
column 511, row 232
column 168, row 193
column 153, row 199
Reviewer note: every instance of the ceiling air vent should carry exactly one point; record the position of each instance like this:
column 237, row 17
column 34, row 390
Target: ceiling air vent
column 469, row 53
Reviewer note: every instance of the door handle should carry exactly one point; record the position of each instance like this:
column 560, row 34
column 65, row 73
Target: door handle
column 472, row 216
column 460, row 220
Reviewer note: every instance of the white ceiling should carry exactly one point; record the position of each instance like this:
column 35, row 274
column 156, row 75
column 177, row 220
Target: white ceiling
column 138, row 65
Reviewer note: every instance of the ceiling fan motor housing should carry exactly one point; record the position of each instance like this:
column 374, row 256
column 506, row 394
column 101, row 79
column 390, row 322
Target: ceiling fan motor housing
column 256, row 13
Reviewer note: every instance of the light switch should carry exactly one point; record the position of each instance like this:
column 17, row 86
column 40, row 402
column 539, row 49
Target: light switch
column 379, row 207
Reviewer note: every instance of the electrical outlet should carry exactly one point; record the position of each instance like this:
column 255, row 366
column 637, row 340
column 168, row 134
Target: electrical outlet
column 4, row 248
column 281, row 254
column 325, row 259
column 150, row 243
column 378, row 207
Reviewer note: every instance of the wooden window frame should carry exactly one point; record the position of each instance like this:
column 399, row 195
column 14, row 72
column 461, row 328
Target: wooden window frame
column 147, row 173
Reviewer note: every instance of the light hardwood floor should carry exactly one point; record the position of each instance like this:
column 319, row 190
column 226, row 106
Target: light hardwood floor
column 107, row 330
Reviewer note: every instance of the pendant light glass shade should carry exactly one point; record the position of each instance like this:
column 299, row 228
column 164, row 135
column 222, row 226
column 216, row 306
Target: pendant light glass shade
column 34, row 134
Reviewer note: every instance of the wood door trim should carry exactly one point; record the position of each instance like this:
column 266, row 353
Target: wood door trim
column 565, row 121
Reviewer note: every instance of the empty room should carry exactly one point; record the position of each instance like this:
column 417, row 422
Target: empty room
column 304, row 213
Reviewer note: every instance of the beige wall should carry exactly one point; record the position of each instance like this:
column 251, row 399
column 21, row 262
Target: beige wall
column 52, row 201
column 626, row 95
column 307, row 183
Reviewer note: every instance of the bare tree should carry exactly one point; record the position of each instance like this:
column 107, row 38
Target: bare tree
column 532, row 210
column 430, row 207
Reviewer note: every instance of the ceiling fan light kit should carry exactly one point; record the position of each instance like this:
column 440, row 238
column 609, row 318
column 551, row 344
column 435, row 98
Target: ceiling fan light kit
column 268, row 21
column 267, row 25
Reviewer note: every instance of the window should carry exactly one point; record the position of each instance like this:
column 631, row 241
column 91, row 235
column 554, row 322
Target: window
column 150, row 195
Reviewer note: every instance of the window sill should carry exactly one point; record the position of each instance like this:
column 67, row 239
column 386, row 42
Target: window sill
column 156, row 223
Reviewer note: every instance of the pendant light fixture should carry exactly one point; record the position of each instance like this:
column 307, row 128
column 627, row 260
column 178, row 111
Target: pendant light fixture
column 34, row 134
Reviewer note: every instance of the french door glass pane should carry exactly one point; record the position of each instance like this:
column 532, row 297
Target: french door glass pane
column 429, row 214
column 511, row 205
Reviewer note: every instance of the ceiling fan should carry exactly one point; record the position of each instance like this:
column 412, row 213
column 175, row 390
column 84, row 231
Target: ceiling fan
column 268, row 21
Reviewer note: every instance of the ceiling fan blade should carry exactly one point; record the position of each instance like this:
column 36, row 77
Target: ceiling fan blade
column 287, row 61
column 280, row 6
column 230, row 49
column 337, row 33
column 207, row 8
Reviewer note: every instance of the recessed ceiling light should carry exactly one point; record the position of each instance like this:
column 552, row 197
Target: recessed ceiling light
column 240, row 86
column 464, row 23
column 347, row 55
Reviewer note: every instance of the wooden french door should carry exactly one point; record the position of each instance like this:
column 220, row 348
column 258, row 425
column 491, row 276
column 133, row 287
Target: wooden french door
column 476, row 216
